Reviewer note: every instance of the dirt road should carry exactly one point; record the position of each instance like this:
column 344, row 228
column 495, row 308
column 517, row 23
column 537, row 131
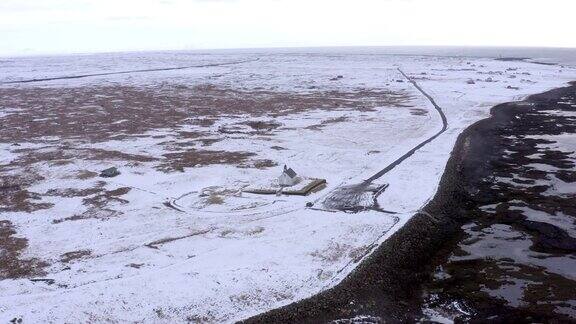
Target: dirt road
column 80, row 76
column 354, row 197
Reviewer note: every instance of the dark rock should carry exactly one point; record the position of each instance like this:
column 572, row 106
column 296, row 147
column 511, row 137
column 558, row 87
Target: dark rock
column 47, row 281
column 551, row 237
column 566, row 176
column 110, row 173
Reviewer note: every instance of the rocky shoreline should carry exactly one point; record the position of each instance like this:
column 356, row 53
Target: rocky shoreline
column 400, row 282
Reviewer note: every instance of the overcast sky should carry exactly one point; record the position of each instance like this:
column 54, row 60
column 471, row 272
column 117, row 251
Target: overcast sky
column 73, row 26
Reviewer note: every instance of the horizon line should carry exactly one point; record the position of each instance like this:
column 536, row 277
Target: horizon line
column 53, row 54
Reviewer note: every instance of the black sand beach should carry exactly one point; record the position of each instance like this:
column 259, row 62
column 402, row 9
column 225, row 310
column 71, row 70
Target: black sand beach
column 496, row 243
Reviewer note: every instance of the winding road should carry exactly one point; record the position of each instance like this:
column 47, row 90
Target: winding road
column 350, row 197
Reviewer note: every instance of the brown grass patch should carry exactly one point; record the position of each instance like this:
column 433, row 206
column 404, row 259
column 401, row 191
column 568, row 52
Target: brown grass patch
column 209, row 141
column 118, row 192
column 62, row 155
column 97, row 202
column 263, row 125
column 418, row 112
column 11, row 264
column 104, row 197
column 71, row 192
column 74, row 255
column 259, row 164
column 189, row 135
column 334, row 252
column 92, row 213
column 191, row 158
column 215, row 199
column 262, row 164
column 254, row 127
column 107, row 155
column 14, row 197
column 358, row 253
column 39, row 155
column 85, row 174
column 328, row 122
column 99, row 113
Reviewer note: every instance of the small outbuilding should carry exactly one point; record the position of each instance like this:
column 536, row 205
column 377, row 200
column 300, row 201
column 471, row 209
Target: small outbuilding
column 288, row 177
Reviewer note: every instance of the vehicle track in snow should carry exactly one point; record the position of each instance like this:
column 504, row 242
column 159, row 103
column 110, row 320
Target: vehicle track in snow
column 81, row 76
column 350, row 197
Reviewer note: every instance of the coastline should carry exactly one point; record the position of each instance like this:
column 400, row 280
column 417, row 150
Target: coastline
column 388, row 284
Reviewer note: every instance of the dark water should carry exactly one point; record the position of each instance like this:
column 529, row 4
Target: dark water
column 515, row 259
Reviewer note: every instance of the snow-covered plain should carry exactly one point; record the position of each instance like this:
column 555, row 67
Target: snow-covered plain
column 223, row 255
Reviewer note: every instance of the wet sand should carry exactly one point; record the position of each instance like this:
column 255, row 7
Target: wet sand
column 495, row 243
